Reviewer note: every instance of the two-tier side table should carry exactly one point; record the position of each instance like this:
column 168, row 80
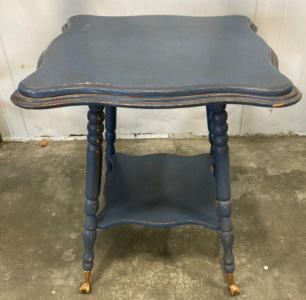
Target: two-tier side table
column 157, row 62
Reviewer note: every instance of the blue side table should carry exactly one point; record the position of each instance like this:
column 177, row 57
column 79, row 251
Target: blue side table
column 157, row 62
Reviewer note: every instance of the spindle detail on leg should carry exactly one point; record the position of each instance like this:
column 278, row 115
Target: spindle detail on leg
column 93, row 185
column 222, row 174
column 110, row 136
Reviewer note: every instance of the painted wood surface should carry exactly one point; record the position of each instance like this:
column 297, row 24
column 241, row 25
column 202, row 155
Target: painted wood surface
column 222, row 174
column 27, row 29
column 156, row 62
column 155, row 57
column 93, row 181
column 110, row 136
column 163, row 190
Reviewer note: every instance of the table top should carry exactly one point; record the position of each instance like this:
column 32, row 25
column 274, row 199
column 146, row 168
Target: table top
column 157, row 61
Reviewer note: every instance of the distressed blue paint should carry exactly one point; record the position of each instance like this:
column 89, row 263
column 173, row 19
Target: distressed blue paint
column 93, row 181
column 160, row 190
column 222, row 175
column 156, row 62
column 110, row 135
column 156, row 103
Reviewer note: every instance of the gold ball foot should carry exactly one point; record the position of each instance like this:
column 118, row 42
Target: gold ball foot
column 84, row 287
column 233, row 288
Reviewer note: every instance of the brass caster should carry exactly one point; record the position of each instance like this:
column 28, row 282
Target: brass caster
column 232, row 287
column 85, row 285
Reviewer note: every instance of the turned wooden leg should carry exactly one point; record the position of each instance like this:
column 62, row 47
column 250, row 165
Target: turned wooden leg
column 208, row 116
column 222, row 174
column 110, row 135
column 93, row 186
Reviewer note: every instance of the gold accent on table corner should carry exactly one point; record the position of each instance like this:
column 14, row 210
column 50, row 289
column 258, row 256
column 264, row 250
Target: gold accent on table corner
column 232, row 287
column 85, row 285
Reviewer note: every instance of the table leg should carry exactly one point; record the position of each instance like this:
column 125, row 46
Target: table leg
column 222, row 174
column 93, row 185
column 110, row 135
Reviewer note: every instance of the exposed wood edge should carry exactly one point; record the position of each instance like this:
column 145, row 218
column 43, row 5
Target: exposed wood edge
column 99, row 88
column 163, row 102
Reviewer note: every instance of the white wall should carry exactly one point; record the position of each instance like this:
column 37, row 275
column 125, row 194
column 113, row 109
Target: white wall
column 27, row 27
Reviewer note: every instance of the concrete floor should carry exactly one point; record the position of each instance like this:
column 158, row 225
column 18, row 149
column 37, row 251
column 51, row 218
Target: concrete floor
column 41, row 216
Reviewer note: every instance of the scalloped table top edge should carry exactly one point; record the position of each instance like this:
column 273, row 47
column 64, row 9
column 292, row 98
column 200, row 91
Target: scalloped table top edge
column 155, row 62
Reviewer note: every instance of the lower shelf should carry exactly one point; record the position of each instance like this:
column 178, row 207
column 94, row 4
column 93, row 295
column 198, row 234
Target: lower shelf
column 160, row 190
